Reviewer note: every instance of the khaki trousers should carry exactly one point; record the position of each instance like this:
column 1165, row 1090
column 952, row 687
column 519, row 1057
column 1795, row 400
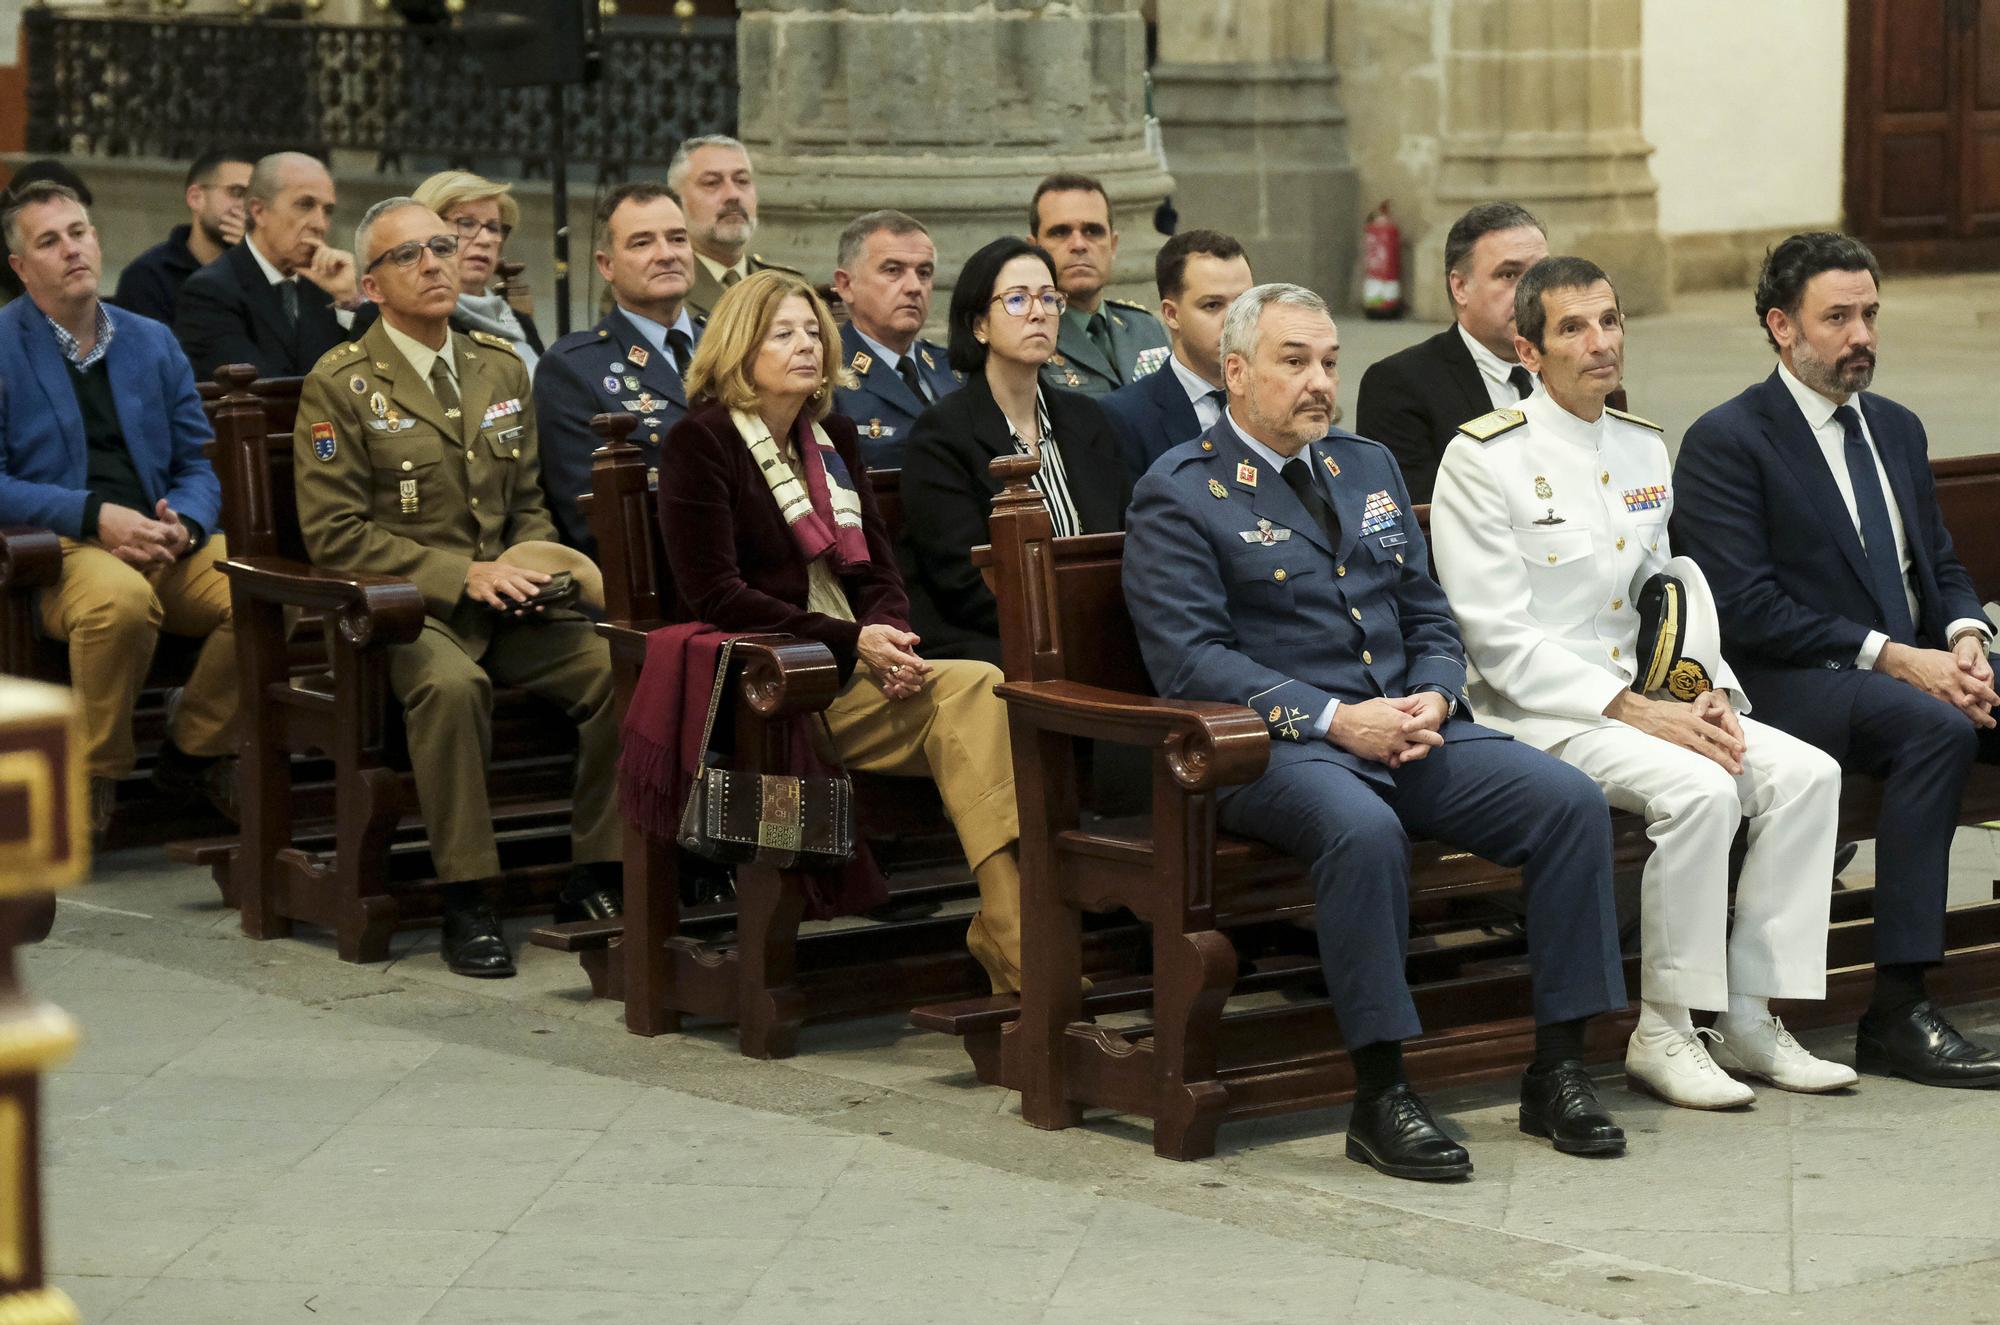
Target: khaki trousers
column 111, row 615
column 447, row 700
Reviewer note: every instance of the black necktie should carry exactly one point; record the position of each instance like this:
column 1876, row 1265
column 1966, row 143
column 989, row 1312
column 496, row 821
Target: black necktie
column 288, row 295
column 681, row 349
column 1878, row 537
column 906, row 368
column 1521, row 382
column 1298, row 476
column 1219, row 398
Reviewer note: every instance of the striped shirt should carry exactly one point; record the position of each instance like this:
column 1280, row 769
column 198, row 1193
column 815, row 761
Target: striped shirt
column 68, row 343
column 1051, row 482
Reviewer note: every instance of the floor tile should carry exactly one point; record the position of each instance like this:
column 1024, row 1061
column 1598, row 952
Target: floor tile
column 260, row 1253
column 227, row 1302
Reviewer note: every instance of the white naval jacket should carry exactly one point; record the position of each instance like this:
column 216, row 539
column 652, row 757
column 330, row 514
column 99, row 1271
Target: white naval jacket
column 1542, row 536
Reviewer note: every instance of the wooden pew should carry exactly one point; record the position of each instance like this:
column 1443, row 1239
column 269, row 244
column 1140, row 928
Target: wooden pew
column 1074, row 673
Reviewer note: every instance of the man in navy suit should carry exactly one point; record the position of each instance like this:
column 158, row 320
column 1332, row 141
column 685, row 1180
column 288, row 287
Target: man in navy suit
column 1809, row 503
column 630, row 362
column 883, row 273
column 1275, row 562
column 101, row 436
column 1199, row 273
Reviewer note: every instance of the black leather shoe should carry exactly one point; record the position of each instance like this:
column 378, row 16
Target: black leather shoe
column 1921, row 1045
column 474, row 945
column 212, row 779
column 1560, row 1103
column 1395, row 1133
column 597, row 904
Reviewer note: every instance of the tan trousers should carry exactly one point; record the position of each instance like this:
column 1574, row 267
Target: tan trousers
column 112, row 615
column 448, row 714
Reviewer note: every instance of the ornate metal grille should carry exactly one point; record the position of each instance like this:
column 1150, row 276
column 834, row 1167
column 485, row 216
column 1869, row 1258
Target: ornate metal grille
column 416, row 97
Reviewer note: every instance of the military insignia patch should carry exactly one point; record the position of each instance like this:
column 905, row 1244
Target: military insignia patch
column 611, row 384
column 1071, row 379
column 1246, row 474
column 1379, row 512
column 406, row 491
column 617, row 367
column 861, row 362
column 925, row 355
column 874, row 428
column 1332, row 470
column 358, row 384
column 1649, row 498
column 1056, row 359
column 1150, row 360
column 1217, row 491
column 638, row 355
column 324, row 443
column 1265, row 533
column 378, row 405
column 631, row 381
column 1542, row 488
column 1488, row 426
column 1687, row 680
column 1207, row 445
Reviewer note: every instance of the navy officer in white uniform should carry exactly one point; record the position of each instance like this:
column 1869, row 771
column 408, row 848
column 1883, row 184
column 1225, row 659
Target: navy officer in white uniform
column 1549, row 518
column 1276, row 562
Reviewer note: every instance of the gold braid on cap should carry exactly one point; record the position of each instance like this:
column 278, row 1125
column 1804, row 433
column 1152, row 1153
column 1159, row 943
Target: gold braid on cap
column 1665, row 640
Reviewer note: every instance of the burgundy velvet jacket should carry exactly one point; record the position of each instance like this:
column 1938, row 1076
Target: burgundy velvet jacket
column 734, row 562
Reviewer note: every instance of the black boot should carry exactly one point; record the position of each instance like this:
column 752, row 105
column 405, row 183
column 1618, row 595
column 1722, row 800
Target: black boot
column 473, row 944
column 1560, row 1102
column 1395, row 1133
column 595, row 891
column 209, row 778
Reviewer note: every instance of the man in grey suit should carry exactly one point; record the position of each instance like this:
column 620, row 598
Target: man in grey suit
column 1275, row 562
column 1104, row 343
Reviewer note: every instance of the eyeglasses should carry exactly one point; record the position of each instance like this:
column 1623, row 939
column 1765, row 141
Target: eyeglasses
column 1017, row 302
column 405, row 255
column 468, row 228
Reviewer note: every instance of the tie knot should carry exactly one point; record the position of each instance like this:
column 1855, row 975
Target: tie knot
column 1849, row 419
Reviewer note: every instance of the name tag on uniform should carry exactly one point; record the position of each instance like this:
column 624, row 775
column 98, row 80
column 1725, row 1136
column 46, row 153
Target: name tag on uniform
column 510, row 436
column 1392, row 540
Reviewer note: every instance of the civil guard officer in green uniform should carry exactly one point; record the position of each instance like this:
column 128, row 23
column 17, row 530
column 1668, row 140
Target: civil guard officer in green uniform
column 1104, row 343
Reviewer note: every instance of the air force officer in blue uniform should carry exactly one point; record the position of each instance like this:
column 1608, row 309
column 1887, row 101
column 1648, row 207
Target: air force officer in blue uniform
column 886, row 266
column 1276, row 562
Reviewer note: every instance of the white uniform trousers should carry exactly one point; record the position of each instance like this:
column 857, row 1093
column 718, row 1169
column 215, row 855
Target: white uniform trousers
column 1790, row 792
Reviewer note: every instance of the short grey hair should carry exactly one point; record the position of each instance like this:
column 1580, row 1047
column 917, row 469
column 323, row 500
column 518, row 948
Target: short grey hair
column 871, row 223
column 269, row 170
column 33, row 194
column 677, row 169
column 367, row 224
column 1239, row 324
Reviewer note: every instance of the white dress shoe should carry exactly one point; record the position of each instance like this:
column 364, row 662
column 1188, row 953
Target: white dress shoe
column 1764, row 1048
column 1675, row 1066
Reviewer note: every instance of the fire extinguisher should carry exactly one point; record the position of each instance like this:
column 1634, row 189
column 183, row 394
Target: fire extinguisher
column 1382, row 266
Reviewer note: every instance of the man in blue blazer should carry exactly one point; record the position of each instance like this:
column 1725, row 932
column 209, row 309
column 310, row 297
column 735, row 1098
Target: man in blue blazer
column 101, row 436
column 1809, row 503
column 1275, row 562
column 883, row 272
column 1199, row 273
column 631, row 362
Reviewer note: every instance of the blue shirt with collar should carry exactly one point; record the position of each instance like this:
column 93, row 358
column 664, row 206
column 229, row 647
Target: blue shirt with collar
column 880, row 401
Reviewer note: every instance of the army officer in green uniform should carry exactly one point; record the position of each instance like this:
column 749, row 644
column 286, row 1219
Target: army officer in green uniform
column 415, row 455
column 1104, row 343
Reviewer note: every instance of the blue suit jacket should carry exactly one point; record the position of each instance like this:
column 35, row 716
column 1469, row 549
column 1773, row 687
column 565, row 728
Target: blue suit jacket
column 1152, row 416
column 43, row 460
column 881, row 403
column 1756, row 505
column 593, row 372
column 1286, row 626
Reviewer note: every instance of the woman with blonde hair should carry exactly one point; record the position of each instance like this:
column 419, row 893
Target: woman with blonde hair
column 484, row 213
column 770, row 526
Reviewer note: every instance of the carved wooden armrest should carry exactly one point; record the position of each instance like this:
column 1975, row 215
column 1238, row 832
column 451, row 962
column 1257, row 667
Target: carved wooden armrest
column 1205, row 745
column 371, row 610
column 29, row 558
column 782, row 674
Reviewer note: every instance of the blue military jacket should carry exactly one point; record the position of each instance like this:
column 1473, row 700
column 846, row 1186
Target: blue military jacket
column 609, row 369
column 1237, row 596
column 881, row 403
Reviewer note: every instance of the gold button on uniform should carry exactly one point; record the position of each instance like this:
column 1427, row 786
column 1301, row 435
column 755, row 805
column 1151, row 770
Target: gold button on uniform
column 1617, row 603
column 655, row 437
column 408, row 465
column 517, row 453
column 1340, row 570
column 1614, row 650
column 468, row 455
column 1399, row 558
column 1354, row 612
column 475, row 501
column 1552, row 558
column 1279, row 575
column 1605, row 477
column 1367, row 658
column 1621, row 545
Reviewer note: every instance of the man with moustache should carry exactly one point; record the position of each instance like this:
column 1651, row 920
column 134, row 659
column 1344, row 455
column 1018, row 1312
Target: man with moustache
column 1104, row 343
column 1199, row 273
column 1413, row 401
column 632, row 361
column 101, row 437
column 1809, row 501
column 1275, row 562
column 416, row 457
column 216, row 186
column 1550, row 528
column 711, row 176
column 883, row 274
column 284, row 297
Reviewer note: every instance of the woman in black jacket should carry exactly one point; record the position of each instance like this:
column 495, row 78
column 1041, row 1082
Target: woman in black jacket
column 1006, row 313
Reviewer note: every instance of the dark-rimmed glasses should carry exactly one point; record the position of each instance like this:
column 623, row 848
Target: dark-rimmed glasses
column 469, row 228
column 1017, row 302
column 405, row 255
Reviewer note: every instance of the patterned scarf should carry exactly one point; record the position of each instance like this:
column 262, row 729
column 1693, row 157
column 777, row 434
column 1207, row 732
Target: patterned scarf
column 823, row 510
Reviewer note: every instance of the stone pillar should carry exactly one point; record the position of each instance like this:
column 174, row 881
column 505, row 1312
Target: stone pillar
column 1541, row 105
column 1255, row 135
column 948, row 110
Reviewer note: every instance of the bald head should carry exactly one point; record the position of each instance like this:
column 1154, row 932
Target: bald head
column 291, row 200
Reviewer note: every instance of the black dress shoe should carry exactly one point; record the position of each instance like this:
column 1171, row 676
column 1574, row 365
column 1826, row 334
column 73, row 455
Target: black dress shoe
column 1560, row 1103
column 597, row 904
column 474, row 945
column 1396, row 1134
column 1921, row 1045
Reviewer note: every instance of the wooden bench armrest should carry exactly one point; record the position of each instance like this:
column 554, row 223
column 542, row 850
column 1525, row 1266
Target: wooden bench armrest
column 782, row 675
column 1206, row 745
column 29, row 558
column 373, row 609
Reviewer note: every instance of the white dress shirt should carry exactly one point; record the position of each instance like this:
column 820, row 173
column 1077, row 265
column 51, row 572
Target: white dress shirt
column 1494, row 372
column 1206, row 409
column 345, row 316
column 1832, row 439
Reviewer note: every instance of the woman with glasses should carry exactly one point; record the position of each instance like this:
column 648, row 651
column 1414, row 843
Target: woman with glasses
column 484, row 214
column 1006, row 313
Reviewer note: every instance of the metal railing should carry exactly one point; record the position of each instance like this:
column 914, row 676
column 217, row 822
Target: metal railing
column 416, row 97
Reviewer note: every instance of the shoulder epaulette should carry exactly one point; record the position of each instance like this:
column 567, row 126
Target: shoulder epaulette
column 497, row 342
column 339, row 354
column 773, row 266
column 1488, row 426
column 1127, row 303
column 1634, row 418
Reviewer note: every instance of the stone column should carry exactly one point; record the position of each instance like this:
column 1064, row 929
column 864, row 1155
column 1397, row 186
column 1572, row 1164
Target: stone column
column 1255, row 135
column 950, row 110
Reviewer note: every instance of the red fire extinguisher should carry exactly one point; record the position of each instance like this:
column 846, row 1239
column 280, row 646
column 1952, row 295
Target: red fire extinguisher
column 1382, row 266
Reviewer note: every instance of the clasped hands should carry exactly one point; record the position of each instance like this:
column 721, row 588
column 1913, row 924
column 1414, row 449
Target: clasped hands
column 1707, row 726
column 892, row 659
column 1961, row 676
column 145, row 543
column 1391, row 731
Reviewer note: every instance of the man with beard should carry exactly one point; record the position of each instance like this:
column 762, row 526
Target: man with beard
column 711, row 176
column 632, row 361
column 216, row 186
column 1809, row 502
column 883, row 274
column 1104, row 343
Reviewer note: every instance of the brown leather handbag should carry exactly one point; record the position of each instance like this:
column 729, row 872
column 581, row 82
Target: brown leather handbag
column 734, row 817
